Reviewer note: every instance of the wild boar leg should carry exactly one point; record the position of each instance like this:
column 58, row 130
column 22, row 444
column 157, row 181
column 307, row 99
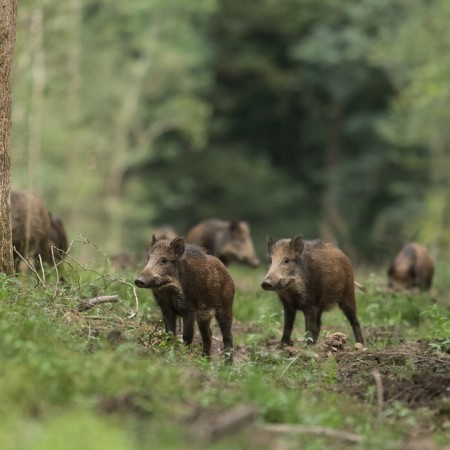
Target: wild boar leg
column 188, row 328
column 350, row 313
column 205, row 331
column 289, row 319
column 318, row 324
column 225, row 328
column 170, row 320
column 312, row 325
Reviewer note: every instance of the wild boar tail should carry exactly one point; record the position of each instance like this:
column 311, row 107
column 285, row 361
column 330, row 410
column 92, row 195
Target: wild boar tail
column 360, row 286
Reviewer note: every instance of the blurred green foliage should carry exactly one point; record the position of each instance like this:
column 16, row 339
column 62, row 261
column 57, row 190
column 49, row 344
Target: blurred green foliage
column 328, row 118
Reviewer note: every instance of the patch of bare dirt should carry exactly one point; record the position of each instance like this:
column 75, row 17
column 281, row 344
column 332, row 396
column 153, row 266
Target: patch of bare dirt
column 411, row 373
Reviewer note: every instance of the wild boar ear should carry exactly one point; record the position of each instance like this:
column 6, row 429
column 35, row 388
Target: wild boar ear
column 297, row 244
column 178, row 246
column 152, row 241
column 270, row 243
column 235, row 226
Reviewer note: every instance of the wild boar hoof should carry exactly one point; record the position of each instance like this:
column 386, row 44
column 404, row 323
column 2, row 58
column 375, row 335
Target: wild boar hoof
column 284, row 344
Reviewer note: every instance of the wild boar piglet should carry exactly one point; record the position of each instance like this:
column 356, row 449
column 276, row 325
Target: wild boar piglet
column 310, row 276
column 229, row 241
column 188, row 283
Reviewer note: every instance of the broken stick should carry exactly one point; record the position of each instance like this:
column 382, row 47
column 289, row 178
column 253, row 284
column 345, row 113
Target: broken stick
column 90, row 303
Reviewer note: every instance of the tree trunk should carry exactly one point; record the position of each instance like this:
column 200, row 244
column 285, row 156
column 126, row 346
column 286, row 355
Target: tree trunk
column 8, row 14
column 435, row 224
column 333, row 225
column 114, row 202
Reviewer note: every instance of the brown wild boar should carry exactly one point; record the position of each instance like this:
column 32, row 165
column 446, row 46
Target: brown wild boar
column 411, row 268
column 310, row 276
column 193, row 285
column 30, row 224
column 229, row 241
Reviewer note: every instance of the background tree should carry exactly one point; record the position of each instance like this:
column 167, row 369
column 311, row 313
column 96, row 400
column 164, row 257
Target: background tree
column 116, row 78
column 8, row 12
column 415, row 55
column 304, row 116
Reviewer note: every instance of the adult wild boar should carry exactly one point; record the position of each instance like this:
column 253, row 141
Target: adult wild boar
column 193, row 285
column 30, row 224
column 229, row 241
column 411, row 268
column 310, row 276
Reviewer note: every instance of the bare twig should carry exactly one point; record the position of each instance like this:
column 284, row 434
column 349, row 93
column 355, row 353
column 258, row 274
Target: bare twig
column 289, row 365
column 90, row 303
column 418, row 358
column 316, row 430
column 379, row 384
column 154, row 331
column 30, row 266
column 41, row 266
column 55, row 265
column 111, row 278
column 395, row 397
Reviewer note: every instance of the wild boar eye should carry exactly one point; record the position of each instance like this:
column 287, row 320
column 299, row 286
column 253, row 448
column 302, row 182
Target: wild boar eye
column 286, row 261
column 163, row 260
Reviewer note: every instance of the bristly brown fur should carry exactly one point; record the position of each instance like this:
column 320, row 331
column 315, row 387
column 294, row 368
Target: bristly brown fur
column 30, row 223
column 311, row 276
column 188, row 283
column 229, row 241
column 412, row 268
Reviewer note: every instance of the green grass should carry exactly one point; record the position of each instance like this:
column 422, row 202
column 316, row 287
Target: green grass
column 102, row 379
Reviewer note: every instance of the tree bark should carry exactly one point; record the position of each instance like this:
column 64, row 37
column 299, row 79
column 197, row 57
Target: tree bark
column 114, row 202
column 8, row 15
column 334, row 227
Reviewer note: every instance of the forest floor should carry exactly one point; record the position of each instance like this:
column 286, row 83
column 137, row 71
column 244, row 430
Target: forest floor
column 392, row 373
column 110, row 377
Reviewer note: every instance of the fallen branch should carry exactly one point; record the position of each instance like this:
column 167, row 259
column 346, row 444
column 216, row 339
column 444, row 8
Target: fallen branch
column 316, row 430
column 232, row 421
column 69, row 258
column 90, row 303
column 419, row 358
column 395, row 397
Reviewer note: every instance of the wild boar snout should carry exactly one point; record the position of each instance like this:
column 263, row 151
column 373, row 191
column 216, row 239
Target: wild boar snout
column 140, row 283
column 267, row 285
column 146, row 280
